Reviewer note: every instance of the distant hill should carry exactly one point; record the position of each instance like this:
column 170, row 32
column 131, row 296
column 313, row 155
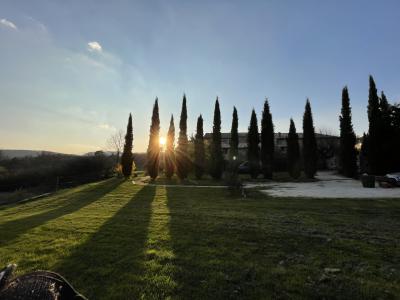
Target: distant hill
column 107, row 153
column 10, row 153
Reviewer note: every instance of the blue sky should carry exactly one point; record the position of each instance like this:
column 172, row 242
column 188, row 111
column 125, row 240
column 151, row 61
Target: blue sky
column 71, row 71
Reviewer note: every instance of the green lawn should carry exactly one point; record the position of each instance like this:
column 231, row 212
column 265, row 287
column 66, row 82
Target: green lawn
column 114, row 240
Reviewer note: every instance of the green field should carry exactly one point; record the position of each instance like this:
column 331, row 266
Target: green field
column 115, row 240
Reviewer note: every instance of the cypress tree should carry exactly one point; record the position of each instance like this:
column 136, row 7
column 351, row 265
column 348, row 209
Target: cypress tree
column 395, row 123
column 234, row 141
column 386, row 136
column 364, row 154
column 253, row 150
column 216, row 156
column 169, row 150
column 153, row 150
column 310, row 155
column 127, row 156
column 348, row 153
column 267, row 141
column 199, row 152
column 181, row 154
column 373, row 129
column 293, row 151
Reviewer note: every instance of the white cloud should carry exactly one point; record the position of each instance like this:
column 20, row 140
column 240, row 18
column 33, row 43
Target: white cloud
column 106, row 126
column 9, row 24
column 94, row 46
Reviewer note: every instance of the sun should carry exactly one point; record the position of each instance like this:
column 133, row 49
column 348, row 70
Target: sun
column 162, row 141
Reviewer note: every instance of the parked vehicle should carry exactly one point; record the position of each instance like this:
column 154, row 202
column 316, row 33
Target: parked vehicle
column 394, row 178
column 244, row 168
column 389, row 180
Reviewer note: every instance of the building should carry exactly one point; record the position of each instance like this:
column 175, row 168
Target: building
column 328, row 146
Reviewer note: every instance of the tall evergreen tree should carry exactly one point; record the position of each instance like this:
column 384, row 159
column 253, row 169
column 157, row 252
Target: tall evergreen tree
column 373, row 130
column 387, row 135
column 310, row 155
column 169, row 155
column 234, row 141
column 127, row 156
column 293, row 151
column 216, row 156
column 153, row 150
column 253, row 149
column 181, row 154
column 348, row 153
column 199, row 152
column 395, row 123
column 364, row 155
column 267, row 142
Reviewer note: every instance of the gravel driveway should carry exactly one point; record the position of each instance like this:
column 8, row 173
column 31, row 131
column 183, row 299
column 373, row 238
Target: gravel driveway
column 329, row 185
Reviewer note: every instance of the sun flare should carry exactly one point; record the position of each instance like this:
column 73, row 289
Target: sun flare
column 162, row 140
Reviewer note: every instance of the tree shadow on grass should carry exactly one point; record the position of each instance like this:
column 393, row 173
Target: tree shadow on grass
column 217, row 250
column 13, row 229
column 109, row 264
column 196, row 251
column 226, row 249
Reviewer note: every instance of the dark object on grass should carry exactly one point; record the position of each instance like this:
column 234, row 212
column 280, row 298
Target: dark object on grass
column 368, row 181
column 40, row 285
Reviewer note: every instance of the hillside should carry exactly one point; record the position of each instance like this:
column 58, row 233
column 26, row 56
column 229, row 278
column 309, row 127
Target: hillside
column 12, row 153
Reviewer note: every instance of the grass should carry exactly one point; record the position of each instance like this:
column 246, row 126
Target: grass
column 114, row 240
column 191, row 180
column 207, row 180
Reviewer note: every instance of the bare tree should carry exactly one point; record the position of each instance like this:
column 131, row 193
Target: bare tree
column 116, row 142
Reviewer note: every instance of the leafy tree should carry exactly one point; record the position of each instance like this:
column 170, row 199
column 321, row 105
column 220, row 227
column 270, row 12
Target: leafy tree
column 374, row 128
column 181, row 154
column 310, row 155
column 267, row 141
column 199, row 152
column 348, row 153
column 127, row 157
column 216, row 156
column 293, row 151
column 169, row 150
column 253, row 150
column 234, row 141
column 153, row 150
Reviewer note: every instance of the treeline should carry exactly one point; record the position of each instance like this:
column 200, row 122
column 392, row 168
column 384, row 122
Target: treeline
column 50, row 171
column 379, row 153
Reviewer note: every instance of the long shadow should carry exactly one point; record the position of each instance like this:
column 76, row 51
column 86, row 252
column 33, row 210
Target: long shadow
column 191, row 245
column 207, row 265
column 109, row 264
column 13, row 229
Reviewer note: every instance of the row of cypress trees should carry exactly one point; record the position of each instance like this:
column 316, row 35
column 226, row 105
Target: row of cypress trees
column 177, row 159
column 379, row 153
column 265, row 154
column 381, row 145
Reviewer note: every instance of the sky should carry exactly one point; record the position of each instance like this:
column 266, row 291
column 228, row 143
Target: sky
column 72, row 71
